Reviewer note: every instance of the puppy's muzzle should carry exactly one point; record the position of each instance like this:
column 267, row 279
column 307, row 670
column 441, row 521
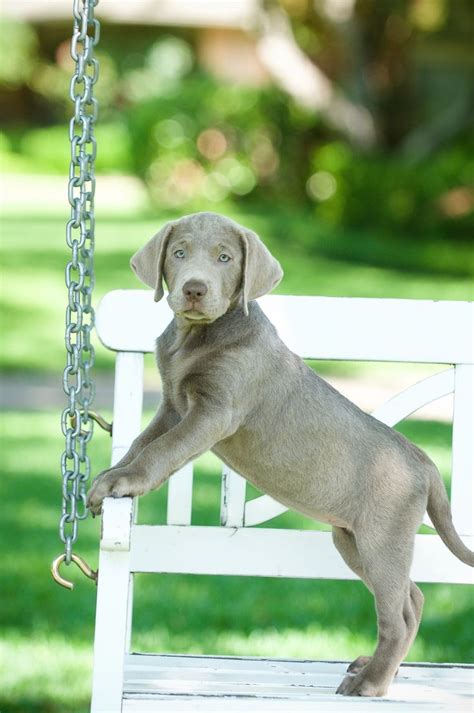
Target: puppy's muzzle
column 194, row 291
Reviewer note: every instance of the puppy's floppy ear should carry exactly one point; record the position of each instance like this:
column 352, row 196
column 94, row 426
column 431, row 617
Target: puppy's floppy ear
column 261, row 271
column 147, row 263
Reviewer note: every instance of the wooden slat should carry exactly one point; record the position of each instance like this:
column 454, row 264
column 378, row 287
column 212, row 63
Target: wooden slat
column 317, row 327
column 260, row 665
column 262, row 509
column 117, row 517
column 180, row 497
column 209, row 683
column 115, row 586
column 232, row 498
column 111, row 630
column 415, row 397
column 130, row 320
column 373, row 329
column 128, row 402
column 263, row 552
column 315, row 704
column 462, row 487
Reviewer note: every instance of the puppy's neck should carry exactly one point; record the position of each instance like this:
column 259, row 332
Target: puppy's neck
column 186, row 333
column 224, row 330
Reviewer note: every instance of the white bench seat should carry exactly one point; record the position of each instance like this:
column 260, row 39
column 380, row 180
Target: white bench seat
column 128, row 322
column 168, row 683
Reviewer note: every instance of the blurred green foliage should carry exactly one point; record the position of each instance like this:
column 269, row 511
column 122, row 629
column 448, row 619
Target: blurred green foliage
column 194, row 138
column 217, row 141
column 46, row 150
column 391, row 194
column 18, row 52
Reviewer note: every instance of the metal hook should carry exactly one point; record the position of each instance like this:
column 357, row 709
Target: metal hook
column 100, row 420
column 83, row 566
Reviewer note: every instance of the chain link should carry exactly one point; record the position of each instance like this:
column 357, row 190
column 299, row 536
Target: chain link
column 76, row 423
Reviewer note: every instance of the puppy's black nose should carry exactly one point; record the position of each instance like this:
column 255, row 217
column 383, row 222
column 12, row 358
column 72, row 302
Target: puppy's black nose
column 194, row 290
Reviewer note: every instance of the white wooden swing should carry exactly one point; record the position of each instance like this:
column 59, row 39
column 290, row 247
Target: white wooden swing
column 128, row 322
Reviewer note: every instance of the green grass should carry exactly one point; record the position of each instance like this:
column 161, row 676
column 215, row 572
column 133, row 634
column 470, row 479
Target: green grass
column 33, row 294
column 45, row 649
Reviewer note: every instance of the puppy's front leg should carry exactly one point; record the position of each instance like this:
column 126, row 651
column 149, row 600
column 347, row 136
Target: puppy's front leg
column 165, row 418
column 199, row 431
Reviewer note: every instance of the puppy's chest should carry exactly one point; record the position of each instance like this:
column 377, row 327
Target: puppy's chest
column 175, row 368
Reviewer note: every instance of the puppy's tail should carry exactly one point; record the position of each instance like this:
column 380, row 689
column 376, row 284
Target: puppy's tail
column 439, row 511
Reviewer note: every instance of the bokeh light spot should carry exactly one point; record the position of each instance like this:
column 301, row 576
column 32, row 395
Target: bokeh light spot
column 212, row 144
column 216, row 187
column 169, row 133
column 321, row 186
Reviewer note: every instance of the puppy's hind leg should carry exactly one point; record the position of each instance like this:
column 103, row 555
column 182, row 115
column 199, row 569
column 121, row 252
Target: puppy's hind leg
column 386, row 565
column 345, row 543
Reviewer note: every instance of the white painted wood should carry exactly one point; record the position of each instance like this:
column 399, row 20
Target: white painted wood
column 232, row 498
column 317, row 327
column 116, row 524
column 128, row 406
column 340, row 327
column 111, row 627
column 265, row 552
column 210, row 704
column 209, row 683
column 352, row 329
column 372, row 329
column 264, row 508
column 128, row 402
column 136, row 314
column 433, row 562
column 115, row 585
column 180, row 497
column 186, row 666
column 415, row 397
column 462, row 486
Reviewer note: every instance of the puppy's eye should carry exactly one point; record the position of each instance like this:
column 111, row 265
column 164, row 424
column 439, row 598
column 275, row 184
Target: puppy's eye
column 179, row 253
column 224, row 258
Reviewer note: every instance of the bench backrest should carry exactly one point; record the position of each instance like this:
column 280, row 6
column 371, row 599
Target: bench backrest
column 129, row 321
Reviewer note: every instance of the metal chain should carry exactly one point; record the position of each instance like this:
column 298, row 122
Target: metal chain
column 76, row 422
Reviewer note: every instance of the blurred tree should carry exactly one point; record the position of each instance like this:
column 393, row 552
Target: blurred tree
column 369, row 66
column 18, row 57
column 329, row 103
column 295, row 72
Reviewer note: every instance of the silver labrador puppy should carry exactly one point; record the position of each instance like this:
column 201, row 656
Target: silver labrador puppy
column 231, row 385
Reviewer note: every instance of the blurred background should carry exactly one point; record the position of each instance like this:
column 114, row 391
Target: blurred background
column 339, row 130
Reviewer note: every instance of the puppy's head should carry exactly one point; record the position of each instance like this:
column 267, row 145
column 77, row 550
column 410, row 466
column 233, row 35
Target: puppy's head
column 209, row 263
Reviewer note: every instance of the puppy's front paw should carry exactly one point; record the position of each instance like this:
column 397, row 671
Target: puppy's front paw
column 116, row 483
